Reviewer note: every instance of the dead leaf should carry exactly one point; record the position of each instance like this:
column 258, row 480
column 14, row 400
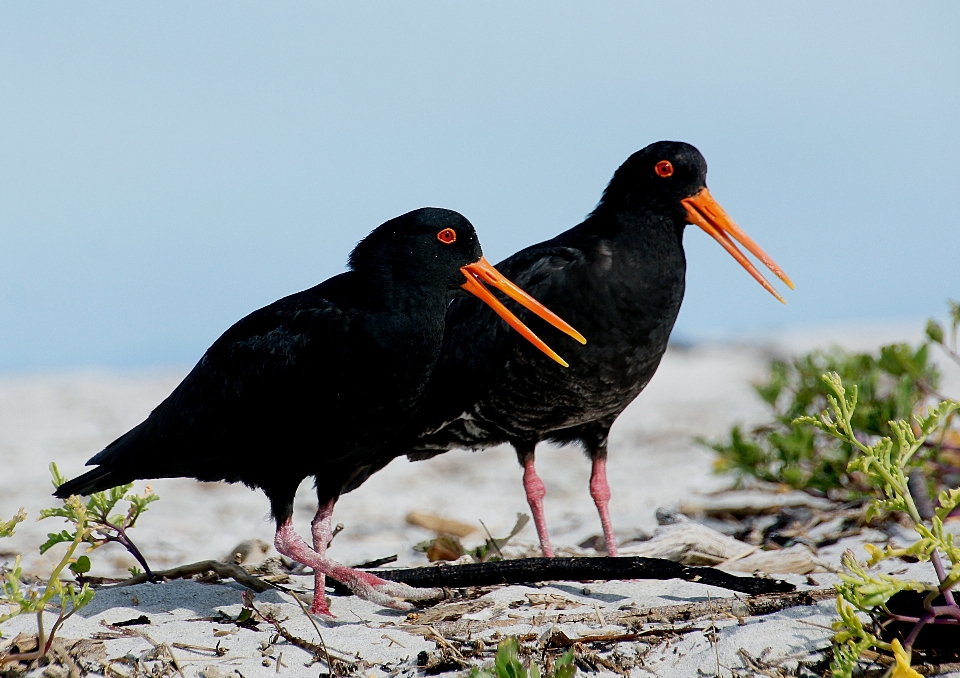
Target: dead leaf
column 439, row 524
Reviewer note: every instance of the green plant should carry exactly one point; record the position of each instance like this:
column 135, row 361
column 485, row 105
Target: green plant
column 92, row 525
column 937, row 335
column 885, row 464
column 6, row 528
column 892, row 385
column 21, row 599
column 102, row 527
column 507, row 664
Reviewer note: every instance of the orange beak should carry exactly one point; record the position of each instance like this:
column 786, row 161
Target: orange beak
column 706, row 213
column 484, row 272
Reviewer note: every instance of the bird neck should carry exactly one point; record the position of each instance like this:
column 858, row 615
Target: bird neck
column 637, row 229
column 635, row 266
column 382, row 288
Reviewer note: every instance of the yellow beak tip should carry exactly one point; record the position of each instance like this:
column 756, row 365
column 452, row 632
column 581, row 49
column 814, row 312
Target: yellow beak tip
column 563, row 362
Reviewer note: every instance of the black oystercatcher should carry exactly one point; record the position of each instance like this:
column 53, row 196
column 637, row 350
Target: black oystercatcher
column 619, row 278
column 314, row 384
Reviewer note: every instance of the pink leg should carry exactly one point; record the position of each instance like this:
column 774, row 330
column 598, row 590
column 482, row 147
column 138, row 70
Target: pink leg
column 322, row 534
column 600, row 491
column 363, row 584
column 536, row 491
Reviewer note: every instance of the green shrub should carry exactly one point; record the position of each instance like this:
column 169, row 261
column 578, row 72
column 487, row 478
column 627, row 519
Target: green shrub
column 893, row 384
column 885, row 463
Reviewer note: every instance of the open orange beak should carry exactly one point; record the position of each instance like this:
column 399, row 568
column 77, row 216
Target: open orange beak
column 706, row 213
column 484, row 272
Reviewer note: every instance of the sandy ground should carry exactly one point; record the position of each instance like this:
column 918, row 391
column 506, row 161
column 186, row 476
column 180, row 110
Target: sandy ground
column 654, row 461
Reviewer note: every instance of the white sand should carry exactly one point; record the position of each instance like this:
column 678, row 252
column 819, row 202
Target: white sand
column 654, row 462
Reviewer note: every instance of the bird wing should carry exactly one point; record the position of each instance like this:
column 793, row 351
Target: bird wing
column 261, row 367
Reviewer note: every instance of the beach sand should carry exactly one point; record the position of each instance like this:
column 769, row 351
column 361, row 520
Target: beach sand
column 654, row 462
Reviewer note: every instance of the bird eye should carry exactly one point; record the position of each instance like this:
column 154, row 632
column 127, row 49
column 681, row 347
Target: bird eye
column 447, row 236
column 664, row 168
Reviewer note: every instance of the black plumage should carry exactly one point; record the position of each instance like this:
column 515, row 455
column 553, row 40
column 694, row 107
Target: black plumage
column 312, row 385
column 619, row 278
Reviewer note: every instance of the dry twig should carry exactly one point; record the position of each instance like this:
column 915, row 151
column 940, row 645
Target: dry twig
column 221, row 569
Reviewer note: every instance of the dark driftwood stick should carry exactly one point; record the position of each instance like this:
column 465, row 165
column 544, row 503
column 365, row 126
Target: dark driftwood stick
column 530, row 570
column 520, row 571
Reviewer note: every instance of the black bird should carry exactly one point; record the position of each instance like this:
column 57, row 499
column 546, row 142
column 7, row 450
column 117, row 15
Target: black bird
column 314, row 385
column 618, row 277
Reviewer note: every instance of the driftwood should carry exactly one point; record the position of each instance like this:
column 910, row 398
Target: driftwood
column 531, row 570
column 224, row 570
column 690, row 543
column 755, row 606
column 520, row 571
column 451, row 626
column 751, row 503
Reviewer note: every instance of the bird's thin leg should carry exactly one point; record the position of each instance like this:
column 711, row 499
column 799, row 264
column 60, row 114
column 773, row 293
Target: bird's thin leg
column 600, row 491
column 363, row 584
column 536, row 491
column 322, row 534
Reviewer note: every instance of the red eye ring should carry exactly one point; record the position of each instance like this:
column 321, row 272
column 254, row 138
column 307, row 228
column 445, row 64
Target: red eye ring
column 447, row 236
column 664, row 168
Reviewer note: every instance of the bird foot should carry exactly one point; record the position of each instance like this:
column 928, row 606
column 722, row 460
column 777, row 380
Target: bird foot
column 382, row 591
column 321, row 609
column 363, row 584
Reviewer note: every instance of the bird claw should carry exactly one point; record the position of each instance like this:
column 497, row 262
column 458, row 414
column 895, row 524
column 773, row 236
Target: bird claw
column 322, row 610
column 386, row 593
column 363, row 584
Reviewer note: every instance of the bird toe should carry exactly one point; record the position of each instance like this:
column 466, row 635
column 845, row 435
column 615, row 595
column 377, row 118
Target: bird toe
column 322, row 611
column 398, row 590
column 390, row 593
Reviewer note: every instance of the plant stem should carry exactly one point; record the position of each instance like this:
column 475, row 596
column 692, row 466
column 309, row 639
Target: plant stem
column 916, row 484
column 30, row 656
column 942, row 576
column 127, row 543
column 947, row 611
column 914, row 632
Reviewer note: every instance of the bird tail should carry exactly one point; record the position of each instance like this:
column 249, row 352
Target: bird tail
column 100, row 478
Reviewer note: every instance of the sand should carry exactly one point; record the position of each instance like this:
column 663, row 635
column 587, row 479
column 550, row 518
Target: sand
column 654, row 462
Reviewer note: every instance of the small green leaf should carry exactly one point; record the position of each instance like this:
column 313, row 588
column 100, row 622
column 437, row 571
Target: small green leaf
column 81, row 566
column 54, row 538
column 58, row 479
column 6, row 528
column 934, row 331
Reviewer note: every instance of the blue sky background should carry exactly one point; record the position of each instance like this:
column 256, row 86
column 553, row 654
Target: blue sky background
column 166, row 168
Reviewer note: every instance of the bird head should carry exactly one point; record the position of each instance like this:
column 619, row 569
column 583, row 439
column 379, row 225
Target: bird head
column 669, row 178
column 439, row 248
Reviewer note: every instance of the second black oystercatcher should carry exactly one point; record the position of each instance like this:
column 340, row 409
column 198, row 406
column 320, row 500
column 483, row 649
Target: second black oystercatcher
column 314, row 385
column 619, row 277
